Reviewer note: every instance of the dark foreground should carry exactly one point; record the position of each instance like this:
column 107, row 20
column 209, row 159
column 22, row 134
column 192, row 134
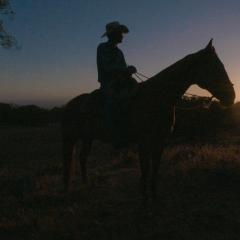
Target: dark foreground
column 199, row 192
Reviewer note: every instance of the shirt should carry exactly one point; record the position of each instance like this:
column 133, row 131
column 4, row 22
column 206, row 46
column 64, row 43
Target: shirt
column 110, row 63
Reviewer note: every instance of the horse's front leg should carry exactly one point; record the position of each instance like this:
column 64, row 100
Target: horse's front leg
column 144, row 157
column 156, row 157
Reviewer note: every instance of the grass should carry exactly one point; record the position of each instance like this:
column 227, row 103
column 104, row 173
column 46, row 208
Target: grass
column 199, row 196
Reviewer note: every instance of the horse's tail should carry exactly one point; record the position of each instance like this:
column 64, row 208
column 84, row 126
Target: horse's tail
column 71, row 133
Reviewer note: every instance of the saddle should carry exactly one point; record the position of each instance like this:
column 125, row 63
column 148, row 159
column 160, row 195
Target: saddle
column 125, row 91
column 122, row 94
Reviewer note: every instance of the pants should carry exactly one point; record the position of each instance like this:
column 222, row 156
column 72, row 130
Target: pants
column 114, row 116
column 110, row 107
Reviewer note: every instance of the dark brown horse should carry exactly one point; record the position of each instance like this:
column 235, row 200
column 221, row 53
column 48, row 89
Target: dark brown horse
column 150, row 113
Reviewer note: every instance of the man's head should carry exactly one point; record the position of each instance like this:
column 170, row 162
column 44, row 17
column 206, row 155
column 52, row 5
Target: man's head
column 114, row 31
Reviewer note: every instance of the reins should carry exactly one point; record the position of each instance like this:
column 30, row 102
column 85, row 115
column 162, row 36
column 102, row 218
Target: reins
column 140, row 76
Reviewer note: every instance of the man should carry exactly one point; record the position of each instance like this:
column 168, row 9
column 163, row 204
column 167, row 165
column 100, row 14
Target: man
column 114, row 74
column 111, row 63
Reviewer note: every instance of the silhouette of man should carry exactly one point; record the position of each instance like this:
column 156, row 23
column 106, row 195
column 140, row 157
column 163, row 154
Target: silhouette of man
column 111, row 63
column 114, row 74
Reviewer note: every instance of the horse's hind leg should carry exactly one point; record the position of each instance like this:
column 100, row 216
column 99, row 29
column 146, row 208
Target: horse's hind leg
column 83, row 155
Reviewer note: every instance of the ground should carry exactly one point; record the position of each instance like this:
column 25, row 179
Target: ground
column 198, row 195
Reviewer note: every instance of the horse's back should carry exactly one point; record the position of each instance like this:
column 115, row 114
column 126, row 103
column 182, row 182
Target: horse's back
column 83, row 105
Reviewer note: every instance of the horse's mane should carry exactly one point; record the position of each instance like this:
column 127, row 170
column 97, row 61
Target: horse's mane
column 166, row 74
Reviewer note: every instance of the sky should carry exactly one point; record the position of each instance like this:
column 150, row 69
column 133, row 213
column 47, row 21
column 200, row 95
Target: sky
column 58, row 39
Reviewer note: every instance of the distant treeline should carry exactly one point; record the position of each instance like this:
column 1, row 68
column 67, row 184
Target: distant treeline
column 199, row 119
column 29, row 115
column 194, row 117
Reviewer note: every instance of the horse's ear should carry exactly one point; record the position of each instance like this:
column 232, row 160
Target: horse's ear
column 210, row 47
column 210, row 44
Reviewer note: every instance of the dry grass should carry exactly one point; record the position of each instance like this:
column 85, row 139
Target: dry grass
column 199, row 196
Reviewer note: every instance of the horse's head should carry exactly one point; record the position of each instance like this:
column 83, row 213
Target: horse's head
column 211, row 75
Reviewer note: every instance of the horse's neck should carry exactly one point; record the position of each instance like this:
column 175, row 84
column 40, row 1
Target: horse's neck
column 170, row 84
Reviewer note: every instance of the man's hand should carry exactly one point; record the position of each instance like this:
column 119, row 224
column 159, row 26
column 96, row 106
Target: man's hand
column 131, row 69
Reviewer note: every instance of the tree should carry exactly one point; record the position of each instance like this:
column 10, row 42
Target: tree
column 6, row 40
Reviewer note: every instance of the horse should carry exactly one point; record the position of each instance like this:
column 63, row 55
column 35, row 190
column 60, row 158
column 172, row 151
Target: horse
column 150, row 114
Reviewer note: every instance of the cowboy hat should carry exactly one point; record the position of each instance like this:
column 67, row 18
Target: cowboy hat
column 115, row 26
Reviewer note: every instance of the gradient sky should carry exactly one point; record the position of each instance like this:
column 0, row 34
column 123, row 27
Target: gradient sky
column 58, row 39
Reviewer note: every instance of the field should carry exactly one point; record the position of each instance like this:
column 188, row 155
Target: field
column 199, row 191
